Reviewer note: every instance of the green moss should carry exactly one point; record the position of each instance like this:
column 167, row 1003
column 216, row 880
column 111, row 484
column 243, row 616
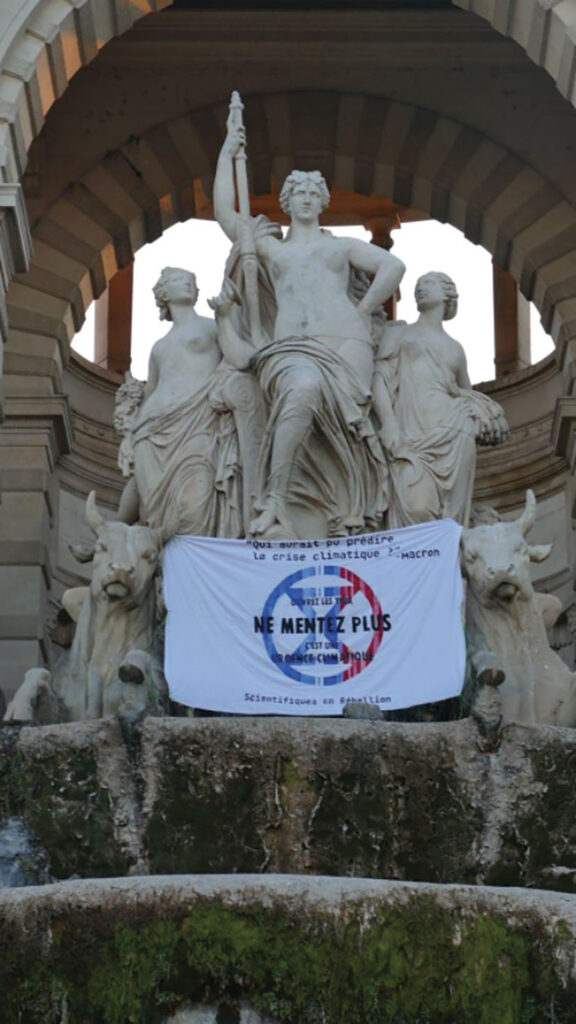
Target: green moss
column 70, row 814
column 416, row 963
column 128, row 981
column 289, row 776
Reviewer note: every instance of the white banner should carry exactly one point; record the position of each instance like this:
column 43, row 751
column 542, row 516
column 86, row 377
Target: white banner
column 302, row 627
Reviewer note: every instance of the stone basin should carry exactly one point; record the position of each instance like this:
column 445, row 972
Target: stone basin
column 285, row 949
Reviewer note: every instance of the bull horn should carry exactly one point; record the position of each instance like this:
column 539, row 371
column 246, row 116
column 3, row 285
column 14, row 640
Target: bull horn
column 529, row 514
column 93, row 517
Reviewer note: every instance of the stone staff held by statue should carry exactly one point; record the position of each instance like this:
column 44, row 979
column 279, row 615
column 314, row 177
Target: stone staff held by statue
column 247, row 243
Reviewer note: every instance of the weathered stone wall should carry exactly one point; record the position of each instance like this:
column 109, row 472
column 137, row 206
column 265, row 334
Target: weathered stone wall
column 363, row 799
column 311, row 951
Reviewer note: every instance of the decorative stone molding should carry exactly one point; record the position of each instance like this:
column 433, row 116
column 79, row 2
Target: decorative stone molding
column 15, row 251
column 50, row 415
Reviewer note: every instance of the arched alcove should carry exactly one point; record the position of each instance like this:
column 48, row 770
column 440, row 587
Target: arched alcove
column 366, row 146
column 44, row 44
column 114, row 121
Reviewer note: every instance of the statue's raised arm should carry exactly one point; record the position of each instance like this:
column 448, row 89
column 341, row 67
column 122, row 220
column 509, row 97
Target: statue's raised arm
column 238, row 226
column 224, row 189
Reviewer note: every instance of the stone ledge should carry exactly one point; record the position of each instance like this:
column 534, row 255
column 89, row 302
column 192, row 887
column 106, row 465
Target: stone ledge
column 271, row 795
column 330, row 950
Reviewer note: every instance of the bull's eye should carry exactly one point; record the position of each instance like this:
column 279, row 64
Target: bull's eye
column 471, row 556
column 100, row 547
column 149, row 554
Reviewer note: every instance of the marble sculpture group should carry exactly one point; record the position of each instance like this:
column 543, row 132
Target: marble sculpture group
column 297, row 412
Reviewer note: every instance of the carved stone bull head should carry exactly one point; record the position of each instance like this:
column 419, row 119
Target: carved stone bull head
column 496, row 557
column 125, row 557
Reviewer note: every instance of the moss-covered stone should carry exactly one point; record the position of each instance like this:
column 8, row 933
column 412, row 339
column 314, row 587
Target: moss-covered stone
column 53, row 779
column 398, row 811
column 210, row 800
column 301, row 952
column 416, row 802
column 338, row 798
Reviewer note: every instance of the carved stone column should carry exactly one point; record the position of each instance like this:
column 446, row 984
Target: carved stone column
column 511, row 324
column 113, row 336
column 36, row 431
column 381, row 229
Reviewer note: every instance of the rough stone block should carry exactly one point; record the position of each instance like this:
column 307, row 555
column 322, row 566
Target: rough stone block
column 334, row 797
column 74, row 789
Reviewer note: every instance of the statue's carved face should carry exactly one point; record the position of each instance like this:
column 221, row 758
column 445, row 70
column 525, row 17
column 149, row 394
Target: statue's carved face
column 125, row 561
column 180, row 286
column 436, row 289
column 429, row 291
column 174, row 285
column 306, row 201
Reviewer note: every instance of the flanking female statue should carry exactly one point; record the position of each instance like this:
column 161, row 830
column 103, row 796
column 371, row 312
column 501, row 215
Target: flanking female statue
column 191, row 432
column 431, row 417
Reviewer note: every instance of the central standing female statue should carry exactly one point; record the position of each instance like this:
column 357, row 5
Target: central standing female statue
column 322, row 469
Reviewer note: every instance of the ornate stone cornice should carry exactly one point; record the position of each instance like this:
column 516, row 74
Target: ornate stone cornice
column 521, row 380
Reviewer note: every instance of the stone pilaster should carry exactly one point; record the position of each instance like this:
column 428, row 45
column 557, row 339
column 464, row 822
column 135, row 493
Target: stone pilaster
column 36, row 432
column 564, row 437
column 114, row 322
column 511, row 324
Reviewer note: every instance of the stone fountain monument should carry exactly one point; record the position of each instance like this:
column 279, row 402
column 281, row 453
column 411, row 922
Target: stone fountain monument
column 298, row 413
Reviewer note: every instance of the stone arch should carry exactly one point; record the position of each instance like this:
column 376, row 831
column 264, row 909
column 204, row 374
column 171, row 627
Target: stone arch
column 543, row 28
column 45, row 42
column 365, row 145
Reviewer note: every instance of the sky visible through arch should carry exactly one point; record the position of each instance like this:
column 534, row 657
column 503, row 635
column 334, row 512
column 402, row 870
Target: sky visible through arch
column 202, row 247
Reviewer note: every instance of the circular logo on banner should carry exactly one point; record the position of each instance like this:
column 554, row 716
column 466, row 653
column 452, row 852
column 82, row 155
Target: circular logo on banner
column 324, row 624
